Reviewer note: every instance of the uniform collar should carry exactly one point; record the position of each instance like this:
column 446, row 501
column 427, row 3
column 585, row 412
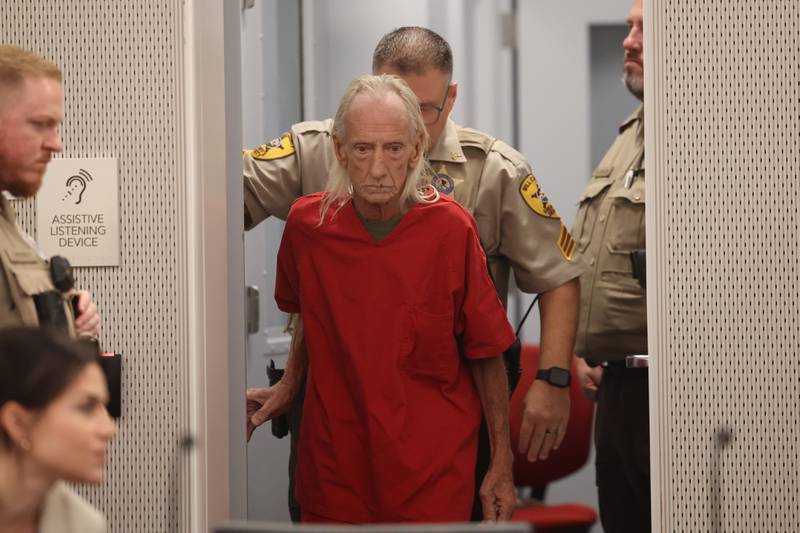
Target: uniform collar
column 636, row 116
column 448, row 147
column 6, row 209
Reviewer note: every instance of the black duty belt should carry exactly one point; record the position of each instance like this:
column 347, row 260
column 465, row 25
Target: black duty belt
column 633, row 362
column 631, row 365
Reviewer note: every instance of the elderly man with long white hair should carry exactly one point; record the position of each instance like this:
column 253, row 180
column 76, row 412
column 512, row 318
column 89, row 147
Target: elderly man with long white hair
column 403, row 331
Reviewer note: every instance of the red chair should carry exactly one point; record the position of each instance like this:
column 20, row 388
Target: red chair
column 570, row 457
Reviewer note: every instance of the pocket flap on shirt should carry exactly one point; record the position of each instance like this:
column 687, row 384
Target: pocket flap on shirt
column 635, row 194
column 31, row 275
column 602, row 172
column 594, row 187
column 433, row 352
column 22, row 257
column 33, row 281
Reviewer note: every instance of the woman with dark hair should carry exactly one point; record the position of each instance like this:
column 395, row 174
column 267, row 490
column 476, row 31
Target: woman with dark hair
column 53, row 426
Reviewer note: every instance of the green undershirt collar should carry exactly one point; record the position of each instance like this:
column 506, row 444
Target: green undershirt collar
column 379, row 229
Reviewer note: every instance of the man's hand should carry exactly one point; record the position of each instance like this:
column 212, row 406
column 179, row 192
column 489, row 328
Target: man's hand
column 545, row 410
column 545, row 415
column 588, row 377
column 266, row 404
column 497, row 492
column 87, row 323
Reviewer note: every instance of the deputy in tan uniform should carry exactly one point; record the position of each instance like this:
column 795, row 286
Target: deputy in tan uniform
column 31, row 110
column 519, row 228
column 613, row 316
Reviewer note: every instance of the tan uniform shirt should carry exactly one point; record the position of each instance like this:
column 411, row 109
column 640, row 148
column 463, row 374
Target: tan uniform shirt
column 66, row 512
column 518, row 226
column 609, row 225
column 24, row 274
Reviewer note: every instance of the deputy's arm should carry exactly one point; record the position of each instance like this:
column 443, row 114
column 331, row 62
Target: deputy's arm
column 266, row 404
column 536, row 243
column 497, row 491
column 279, row 172
column 546, row 407
column 271, row 180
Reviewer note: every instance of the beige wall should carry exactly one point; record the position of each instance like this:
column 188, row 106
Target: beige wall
column 723, row 157
column 130, row 93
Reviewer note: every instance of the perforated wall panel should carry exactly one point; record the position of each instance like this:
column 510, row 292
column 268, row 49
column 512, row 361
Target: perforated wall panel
column 723, row 163
column 123, row 64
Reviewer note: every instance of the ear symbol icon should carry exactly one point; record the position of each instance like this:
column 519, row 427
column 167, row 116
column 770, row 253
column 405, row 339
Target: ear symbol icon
column 77, row 184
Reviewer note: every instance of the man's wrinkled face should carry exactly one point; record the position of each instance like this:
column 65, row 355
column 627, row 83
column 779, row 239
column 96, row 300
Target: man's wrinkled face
column 436, row 96
column 30, row 117
column 378, row 152
column 634, row 52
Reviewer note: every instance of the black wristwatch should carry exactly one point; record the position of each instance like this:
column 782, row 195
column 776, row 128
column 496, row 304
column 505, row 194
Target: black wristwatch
column 555, row 376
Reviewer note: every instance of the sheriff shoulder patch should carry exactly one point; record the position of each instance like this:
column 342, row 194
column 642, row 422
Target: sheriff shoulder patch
column 535, row 198
column 275, row 149
column 565, row 243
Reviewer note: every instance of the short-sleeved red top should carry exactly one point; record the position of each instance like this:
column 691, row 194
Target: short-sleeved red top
column 391, row 412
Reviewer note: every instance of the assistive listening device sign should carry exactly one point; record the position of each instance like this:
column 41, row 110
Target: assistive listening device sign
column 77, row 211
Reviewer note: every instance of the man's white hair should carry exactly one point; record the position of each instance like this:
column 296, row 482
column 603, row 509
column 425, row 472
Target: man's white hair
column 339, row 189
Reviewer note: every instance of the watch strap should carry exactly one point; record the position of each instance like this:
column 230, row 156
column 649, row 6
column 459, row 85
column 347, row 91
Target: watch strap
column 555, row 376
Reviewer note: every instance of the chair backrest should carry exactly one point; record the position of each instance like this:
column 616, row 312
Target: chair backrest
column 574, row 450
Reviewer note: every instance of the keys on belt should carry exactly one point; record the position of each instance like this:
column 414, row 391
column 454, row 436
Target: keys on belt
column 636, row 361
column 630, row 361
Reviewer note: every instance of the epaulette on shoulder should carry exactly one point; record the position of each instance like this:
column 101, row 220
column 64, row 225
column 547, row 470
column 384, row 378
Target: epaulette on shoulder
column 286, row 144
column 633, row 118
column 313, row 126
column 475, row 139
column 509, row 153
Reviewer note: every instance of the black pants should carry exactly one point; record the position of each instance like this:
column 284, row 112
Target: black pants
column 622, row 441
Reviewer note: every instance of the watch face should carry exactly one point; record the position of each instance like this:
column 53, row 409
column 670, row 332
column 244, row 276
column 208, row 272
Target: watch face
column 559, row 377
